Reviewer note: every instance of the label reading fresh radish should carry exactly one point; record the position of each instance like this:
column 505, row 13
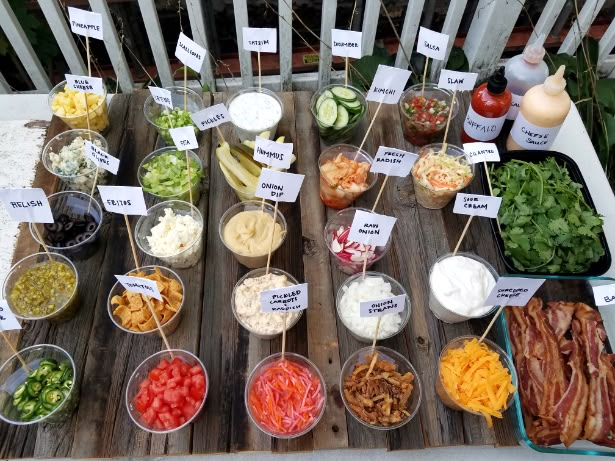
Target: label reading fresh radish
column 532, row 137
column 482, row 128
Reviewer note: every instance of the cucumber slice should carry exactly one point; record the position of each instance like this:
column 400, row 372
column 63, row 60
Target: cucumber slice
column 327, row 113
column 352, row 106
column 342, row 118
column 320, row 100
column 328, row 94
column 344, row 94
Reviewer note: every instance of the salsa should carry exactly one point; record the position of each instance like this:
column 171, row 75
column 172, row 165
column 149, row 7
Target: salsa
column 425, row 118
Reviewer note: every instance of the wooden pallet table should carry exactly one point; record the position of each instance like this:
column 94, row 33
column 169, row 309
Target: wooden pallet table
column 105, row 356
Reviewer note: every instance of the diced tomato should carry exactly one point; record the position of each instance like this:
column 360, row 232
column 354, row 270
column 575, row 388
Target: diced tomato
column 177, row 361
column 149, row 416
column 144, row 383
column 172, row 396
column 164, row 376
column 164, row 364
column 157, row 388
column 176, row 372
column 188, row 410
column 185, row 369
column 197, row 393
column 157, row 404
column 154, row 375
column 176, row 412
column 196, row 370
column 142, row 400
column 158, row 424
column 168, row 420
column 190, row 400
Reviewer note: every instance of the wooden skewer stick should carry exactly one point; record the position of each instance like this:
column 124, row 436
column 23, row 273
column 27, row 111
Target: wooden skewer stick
column 40, row 239
column 492, row 321
column 132, row 242
column 384, row 183
column 463, row 234
column 448, row 122
column 258, row 58
column 375, row 354
column 186, row 88
column 425, row 74
column 87, row 117
column 346, row 72
column 220, row 135
column 284, row 335
column 189, row 181
column 376, row 333
column 497, row 219
column 369, row 128
column 275, row 216
column 14, row 350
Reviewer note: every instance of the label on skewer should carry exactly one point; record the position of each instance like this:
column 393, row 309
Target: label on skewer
column 515, row 291
column 461, row 81
column 287, row 299
column 432, row 44
column 260, row 39
column 371, row 228
column 84, row 84
column 482, row 152
column 278, row 186
column 101, row 158
column 604, row 295
column 211, row 117
column 393, row 162
column 388, row 84
column 8, row 321
column 123, row 200
column 27, row 205
column 381, row 307
column 140, row 285
column 190, row 53
column 346, row 43
column 274, row 154
column 477, row 205
column 162, row 96
column 86, row 23
column 184, row 137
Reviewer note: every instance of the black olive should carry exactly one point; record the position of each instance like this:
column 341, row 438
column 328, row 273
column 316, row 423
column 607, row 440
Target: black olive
column 71, row 243
column 60, row 236
column 79, row 238
column 89, row 218
column 50, row 227
column 68, row 226
column 91, row 227
column 63, row 218
column 86, row 235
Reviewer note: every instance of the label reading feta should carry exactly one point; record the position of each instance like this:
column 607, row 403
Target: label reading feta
column 371, row 228
column 84, row 84
column 184, row 137
column 190, row 53
column 278, row 186
column 211, row 117
column 260, row 39
column 162, row 96
column 532, row 137
column 274, row 154
column 101, row 158
column 460, row 81
column 27, row 205
column 393, row 162
column 482, row 128
column 86, row 23
column 287, row 299
column 346, row 43
column 388, row 84
column 432, row 44
column 477, row 205
column 381, row 307
column 514, row 107
column 140, row 285
column 123, row 200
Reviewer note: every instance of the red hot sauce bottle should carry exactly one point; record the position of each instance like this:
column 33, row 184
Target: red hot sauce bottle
column 488, row 109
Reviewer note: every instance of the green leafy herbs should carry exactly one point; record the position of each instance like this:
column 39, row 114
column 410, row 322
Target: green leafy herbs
column 547, row 226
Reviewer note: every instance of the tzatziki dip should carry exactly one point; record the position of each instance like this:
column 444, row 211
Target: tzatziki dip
column 254, row 111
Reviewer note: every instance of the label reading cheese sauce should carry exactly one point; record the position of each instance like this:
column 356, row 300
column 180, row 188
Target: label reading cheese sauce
column 532, row 137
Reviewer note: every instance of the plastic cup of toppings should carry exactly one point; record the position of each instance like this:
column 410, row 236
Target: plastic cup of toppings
column 363, row 328
column 148, row 327
column 191, row 253
column 250, row 323
column 39, row 289
column 343, row 110
column 75, row 232
column 440, row 310
column 255, row 112
column 316, row 400
column 163, row 118
column 341, row 195
column 403, row 365
column 424, row 114
column 155, row 179
column 62, row 101
column 75, row 170
column 437, row 192
column 252, row 260
column 350, row 255
column 141, row 374
column 13, row 376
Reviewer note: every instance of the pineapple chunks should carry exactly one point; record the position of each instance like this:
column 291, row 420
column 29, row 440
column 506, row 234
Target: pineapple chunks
column 70, row 106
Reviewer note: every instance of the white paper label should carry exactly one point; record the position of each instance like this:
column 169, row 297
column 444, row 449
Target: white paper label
column 532, row 137
column 260, row 39
column 140, row 285
column 101, row 158
column 274, row 154
column 393, row 162
column 461, row 81
column 482, row 128
column 346, row 43
column 190, row 53
column 287, row 299
column 8, row 321
column 604, row 295
column 278, row 186
column 382, row 307
column 371, row 228
column 84, row 84
column 482, row 152
column 514, row 107
column 162, row 96
column 432, row 44
column 211, row 117
column 513, row 291
column 184, row 137
column 86, row 23
column 27, row 205
column 477, row 205
column 388, row 84
column 123, row 200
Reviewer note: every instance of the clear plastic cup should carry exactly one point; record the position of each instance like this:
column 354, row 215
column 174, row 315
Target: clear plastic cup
column 440, row 310
column 433, row 197
column 155, row 115
column 255, row 112
column 170, row 326
column 67, row 307
column 248, row 324
column 141, row 373
column 331, row 134
column 403, row 366
column 353, row 321
column 74, row 206
column 349, row 260
column 84, row 179
column 253, row 261
column 458, row 343
column 12, row 375
column 184, row 195
column 417, row 130
column 334, row 195
column 187, row 257
column 98, row 114
column 261, row 367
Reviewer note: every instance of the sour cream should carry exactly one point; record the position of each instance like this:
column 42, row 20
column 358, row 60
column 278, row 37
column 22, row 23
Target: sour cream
column 254, row 111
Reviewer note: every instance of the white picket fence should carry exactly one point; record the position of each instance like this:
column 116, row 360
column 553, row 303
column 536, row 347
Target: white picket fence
column 489, row 31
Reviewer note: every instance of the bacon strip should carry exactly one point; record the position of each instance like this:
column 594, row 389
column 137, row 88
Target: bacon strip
column 560, row 315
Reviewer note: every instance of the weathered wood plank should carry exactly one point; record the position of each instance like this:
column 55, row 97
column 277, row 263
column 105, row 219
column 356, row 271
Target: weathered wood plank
column 156, row 41
column 580, row 26
column 327, row 22
column 409, row 31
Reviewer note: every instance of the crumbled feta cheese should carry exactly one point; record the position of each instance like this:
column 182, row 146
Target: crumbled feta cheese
column 174, row 237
